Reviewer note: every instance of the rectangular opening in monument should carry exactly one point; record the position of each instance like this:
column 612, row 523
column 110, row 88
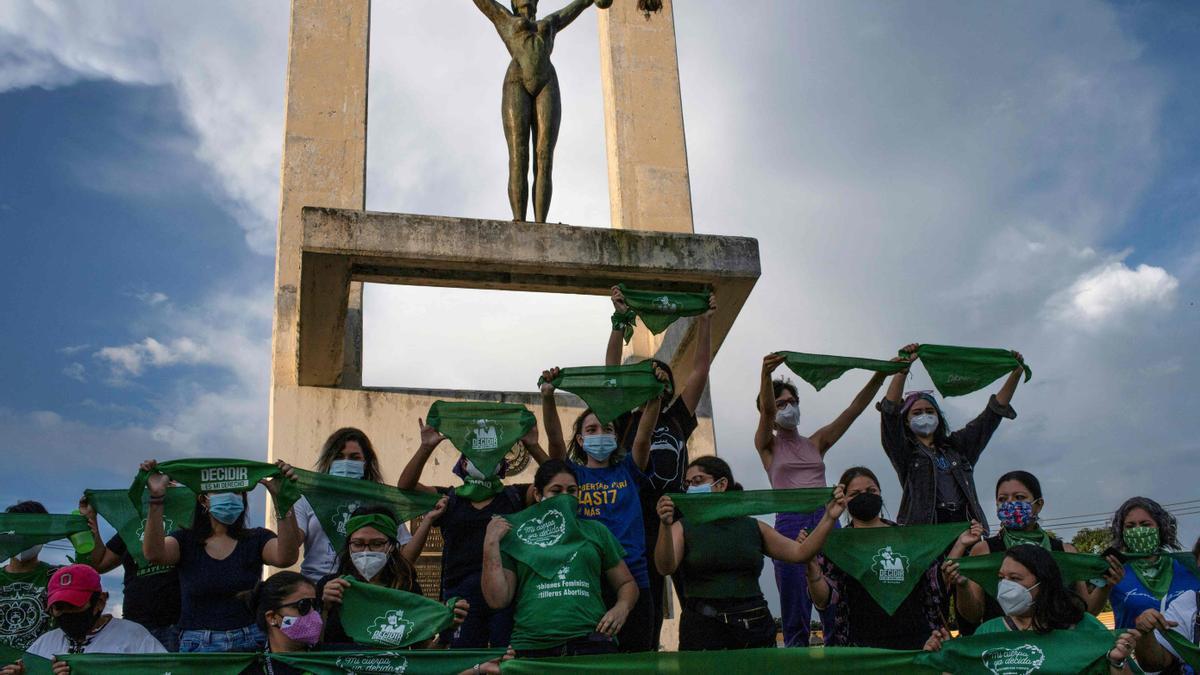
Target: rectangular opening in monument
column 452, row 338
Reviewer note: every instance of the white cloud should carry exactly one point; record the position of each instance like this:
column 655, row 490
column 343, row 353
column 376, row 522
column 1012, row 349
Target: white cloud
column 76, row 371
column 1112, row 291
column 132, row 359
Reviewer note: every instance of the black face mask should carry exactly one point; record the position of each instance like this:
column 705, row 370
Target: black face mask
column 77, row 625
column 865, row 506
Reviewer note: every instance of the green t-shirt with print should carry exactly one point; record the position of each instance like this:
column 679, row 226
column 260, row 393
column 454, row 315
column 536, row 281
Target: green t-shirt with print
column 998, row 625
column 568, row 606
column 23, row 615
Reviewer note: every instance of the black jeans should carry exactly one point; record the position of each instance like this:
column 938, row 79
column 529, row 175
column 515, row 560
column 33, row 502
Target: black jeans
column 595, row 643
column 635, row 634
column 739, row 624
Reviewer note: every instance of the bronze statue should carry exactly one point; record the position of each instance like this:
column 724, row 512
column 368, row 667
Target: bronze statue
column 530, row 106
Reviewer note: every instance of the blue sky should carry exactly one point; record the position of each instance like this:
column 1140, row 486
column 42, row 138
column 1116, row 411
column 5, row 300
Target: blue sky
column 1010, row 175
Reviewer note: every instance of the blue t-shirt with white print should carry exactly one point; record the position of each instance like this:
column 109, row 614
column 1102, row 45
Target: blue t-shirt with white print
column 611, row 495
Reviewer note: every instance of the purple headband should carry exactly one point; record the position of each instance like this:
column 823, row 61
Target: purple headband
column 913, row 396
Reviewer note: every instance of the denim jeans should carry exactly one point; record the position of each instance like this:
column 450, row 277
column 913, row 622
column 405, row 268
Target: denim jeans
column 247, row 639
column 792, row 581
column 168, row 636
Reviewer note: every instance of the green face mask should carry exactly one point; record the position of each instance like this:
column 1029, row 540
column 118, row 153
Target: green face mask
column 1141, row 539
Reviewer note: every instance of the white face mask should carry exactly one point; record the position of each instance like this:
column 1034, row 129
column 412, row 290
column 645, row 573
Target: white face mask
column 347, row 468
column 1014, row 599
column 924, row 424
column 29, row 553
column 788, row 416
column 368, row 563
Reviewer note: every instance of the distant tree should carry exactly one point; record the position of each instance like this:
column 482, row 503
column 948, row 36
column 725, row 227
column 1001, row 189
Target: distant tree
column 1092, row 540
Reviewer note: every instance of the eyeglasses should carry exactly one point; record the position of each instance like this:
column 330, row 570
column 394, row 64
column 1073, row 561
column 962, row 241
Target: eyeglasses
column 358, row 545
column 304, row 605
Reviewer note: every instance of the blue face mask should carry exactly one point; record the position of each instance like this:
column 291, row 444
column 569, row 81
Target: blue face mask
column 600, row 447
column 704, row 489
column 226, row 507
column 347, row 468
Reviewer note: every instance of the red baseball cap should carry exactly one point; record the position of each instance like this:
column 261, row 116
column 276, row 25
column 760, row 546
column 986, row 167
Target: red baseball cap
column 74, row 585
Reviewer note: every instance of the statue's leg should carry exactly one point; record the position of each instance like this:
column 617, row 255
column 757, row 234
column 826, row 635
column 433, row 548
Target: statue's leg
column 549, row 116
column 516, row 113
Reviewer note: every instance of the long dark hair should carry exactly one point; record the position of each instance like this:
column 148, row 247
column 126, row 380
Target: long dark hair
column 398, row 573
column 202, row 526
column 337, row 442
column 548, row 470
column 27, row 506
column 718, row 469
column 267, row 596
column 942, row 433
column 854, row 472
column 575, row 451
column 1025, row 478
column 1168, row 528
column 1054, row 607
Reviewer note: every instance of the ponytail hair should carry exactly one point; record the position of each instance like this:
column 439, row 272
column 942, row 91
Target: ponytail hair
column 267, row 596
column 718, row 469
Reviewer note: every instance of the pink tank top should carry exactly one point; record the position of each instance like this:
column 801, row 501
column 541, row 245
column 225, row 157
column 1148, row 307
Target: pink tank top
column 795, row 462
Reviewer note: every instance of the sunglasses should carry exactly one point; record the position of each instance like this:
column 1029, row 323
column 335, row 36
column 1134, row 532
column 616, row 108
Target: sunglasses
column 304, row 605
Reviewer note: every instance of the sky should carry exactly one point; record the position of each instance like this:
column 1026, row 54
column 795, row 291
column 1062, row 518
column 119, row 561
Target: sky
column 1018, row 175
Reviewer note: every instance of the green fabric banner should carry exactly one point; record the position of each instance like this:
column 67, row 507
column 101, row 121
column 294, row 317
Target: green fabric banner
column 815, row 661
column 19, row 531
column 220, row 475
column 1059, row 652
column 544, row 535
column 484, row 432
column 703, row 508
column 409, row 661
column 334, row 498
column 659, row 309
column 374, row 615
column 889, row 561
column 984, row 569
column 820, row 369
column 34, row 665
column 230, row 663
column 130, row 522
column 957, row 371
column 611, row 390
column 1188, row 651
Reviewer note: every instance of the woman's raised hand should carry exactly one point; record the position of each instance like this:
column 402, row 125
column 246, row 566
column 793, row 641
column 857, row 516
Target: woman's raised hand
column 430, row 437
column 332, row 595
column 618, row 300
column 666, row 510
column 157, row 481
column 936, row 638
column 548, row 377
column 460, row 611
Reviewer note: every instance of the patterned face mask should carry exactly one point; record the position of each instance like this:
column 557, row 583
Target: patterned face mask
column 1141, row 539
column 1016, row 515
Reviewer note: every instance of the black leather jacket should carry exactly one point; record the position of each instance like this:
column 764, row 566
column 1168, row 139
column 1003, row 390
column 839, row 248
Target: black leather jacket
column 914, row 463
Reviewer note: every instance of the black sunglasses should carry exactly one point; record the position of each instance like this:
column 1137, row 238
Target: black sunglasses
column 304, row 605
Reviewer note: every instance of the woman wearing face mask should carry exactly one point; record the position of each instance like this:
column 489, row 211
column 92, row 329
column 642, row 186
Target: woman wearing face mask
column 936, row 467
column 610, row 480
column 719, row 564
column 287, row 610
column 217, row 558
column 793, row 460
column 1032, row 594
column 23, row 591
column 372, row 555
column 857, row 620
column 570, row 624
column 1146, row 531
column 1018, row 503
column 468, row 511
column 347, row 453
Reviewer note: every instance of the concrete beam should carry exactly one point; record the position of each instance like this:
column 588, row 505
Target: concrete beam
column 342, row 245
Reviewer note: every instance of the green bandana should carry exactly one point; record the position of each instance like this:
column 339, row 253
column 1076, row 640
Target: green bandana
column 985, row 569
column 658, row 309
column 475, row 490
column 703, row 508
column 957, row 371
column 385, row 617
column 1037, row 537
column 231, row 663
column 1023, row 652
column 409, row 661
column 611, row 390
column 826, row 661
column 130, row 522
column 34, row 665
column 484, row 432
column 819, row 369
column 1156, row 576
column 221, row 475
column 889, row 561
column 19, row 531
column 544, row 535
column 334, row 498
column 1189, row 652
column 378, row 521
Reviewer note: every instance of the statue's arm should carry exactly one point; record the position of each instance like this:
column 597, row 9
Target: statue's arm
column 563, row 17
column 493, row 10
